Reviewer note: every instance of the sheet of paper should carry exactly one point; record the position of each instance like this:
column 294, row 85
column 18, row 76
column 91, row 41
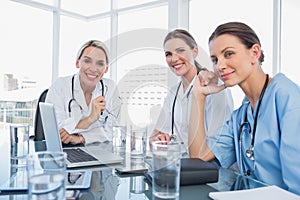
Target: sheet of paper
column 262, row 193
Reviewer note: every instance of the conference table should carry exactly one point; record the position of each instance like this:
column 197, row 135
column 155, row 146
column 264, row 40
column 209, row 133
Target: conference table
column 106, row 183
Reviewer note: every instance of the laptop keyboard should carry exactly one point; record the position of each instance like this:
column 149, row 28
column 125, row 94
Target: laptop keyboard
column 78, row 155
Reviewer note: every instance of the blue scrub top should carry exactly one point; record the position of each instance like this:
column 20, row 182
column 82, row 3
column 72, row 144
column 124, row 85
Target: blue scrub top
column 277, row 138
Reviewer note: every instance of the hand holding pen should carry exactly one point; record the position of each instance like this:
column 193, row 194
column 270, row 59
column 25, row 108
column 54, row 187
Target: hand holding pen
column 98, row 106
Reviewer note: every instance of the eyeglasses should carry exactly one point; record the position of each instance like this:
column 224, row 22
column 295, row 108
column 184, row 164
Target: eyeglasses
column 104, row 116
column 73, row 177
column 73, row 101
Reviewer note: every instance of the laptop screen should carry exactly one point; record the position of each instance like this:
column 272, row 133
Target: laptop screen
column 50, row 127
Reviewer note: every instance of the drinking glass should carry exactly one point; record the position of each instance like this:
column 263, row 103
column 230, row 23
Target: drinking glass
column 138, row 142
column 19, row 143
column 166, row 169
column 46, row 173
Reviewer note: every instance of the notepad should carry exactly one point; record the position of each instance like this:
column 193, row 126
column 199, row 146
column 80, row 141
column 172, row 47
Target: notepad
column 262, row 193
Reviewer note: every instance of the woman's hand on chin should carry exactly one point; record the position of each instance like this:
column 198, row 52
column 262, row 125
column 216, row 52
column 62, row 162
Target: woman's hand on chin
column 207, row 83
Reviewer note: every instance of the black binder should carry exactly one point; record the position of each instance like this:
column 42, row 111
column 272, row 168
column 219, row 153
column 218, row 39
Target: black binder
column 194, row 171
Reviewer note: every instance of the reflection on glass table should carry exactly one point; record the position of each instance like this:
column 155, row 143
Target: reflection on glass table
column 107, row 184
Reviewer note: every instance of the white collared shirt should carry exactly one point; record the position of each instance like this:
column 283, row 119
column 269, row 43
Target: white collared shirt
column 60, row 94
column 218, row 108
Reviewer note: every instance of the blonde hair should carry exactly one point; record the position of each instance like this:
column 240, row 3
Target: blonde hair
column 93, row 43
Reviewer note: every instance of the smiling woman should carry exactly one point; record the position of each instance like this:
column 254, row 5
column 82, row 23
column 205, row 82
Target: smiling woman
column 261, row 136
column 86, row 104
column 181, row 50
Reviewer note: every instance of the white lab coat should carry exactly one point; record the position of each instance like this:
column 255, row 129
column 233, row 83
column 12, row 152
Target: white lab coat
column 218, row 108
column 60, row 94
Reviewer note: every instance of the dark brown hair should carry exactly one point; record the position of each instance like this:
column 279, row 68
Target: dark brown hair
column 188, row 39
column 240, row 30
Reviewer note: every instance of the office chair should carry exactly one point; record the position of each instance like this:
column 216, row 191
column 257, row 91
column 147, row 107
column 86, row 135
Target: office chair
column 38, row 125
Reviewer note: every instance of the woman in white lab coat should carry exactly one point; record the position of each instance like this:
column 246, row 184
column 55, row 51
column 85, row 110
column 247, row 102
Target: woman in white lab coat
column 181, row 50
column 86, row 104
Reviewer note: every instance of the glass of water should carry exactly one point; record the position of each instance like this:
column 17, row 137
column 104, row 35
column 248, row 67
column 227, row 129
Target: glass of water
column 119, row 136
column 138, row 138
column 166, row 169
column 19, row 143
column 46, row 175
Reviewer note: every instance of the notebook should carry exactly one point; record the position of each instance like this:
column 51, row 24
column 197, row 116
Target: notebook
column 268, row 192
column 76, row 156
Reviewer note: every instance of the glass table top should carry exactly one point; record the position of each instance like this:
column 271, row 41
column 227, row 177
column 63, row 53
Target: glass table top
column 107, row 184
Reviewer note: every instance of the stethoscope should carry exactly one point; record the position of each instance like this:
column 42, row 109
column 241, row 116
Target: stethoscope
column 250, row 151
column 173, row 136
column 73, row 98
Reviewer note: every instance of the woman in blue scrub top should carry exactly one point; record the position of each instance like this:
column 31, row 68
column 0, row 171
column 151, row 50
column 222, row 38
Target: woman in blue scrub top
column 262, row 135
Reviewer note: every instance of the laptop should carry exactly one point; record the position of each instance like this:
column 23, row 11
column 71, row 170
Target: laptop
column 76, row 156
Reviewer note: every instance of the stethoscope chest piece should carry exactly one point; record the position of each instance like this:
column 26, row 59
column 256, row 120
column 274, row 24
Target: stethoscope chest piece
column 250, row 153
column 173, row 138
